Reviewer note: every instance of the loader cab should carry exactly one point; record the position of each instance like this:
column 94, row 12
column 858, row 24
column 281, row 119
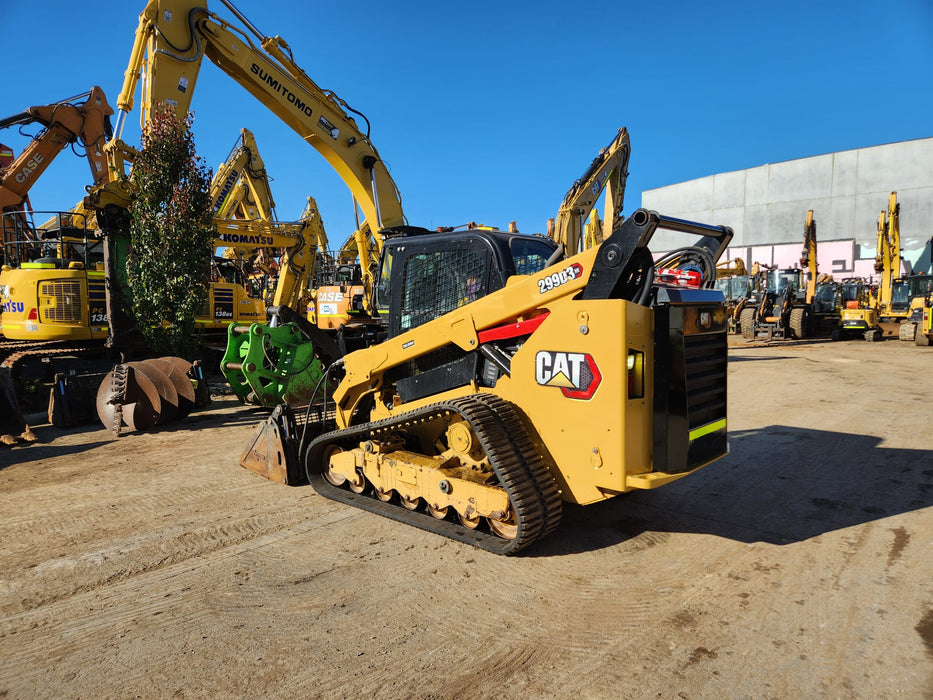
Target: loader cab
column 424, row 275
column 734, row 287
column 779, row 280
column 919, row 286
column 825, row 299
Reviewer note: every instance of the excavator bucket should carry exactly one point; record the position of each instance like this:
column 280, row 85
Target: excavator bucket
column 72, row 399
column 141, row 395
column 272, row 451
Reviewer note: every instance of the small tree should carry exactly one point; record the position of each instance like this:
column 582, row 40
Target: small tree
column 171, row 235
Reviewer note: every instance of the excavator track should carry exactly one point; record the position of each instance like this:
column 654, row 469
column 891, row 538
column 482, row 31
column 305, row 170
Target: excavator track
column 519, row 467
column 14, row 351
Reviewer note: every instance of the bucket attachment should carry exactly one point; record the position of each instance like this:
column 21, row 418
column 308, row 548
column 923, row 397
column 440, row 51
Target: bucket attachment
column 273, row 449
column 267, row 365
column 144, row 394
column 72, row 399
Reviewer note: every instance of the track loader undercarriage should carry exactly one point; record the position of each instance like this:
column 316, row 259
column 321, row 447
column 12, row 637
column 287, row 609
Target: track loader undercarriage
column 465, row 468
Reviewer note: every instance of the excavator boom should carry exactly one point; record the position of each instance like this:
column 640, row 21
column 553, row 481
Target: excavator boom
column 607, row 173
column 808, row 259
column 172, row 40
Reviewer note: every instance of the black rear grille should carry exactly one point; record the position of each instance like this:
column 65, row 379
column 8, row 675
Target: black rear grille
column 689, row 385
column 705, row 361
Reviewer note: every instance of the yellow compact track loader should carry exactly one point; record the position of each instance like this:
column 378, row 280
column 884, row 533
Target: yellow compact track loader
column 514, row 379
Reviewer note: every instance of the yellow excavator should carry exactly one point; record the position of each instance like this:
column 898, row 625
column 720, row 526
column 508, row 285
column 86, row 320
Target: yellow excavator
column 606, row 174
column 892, row 298
column 823, row 296
column 172, row 40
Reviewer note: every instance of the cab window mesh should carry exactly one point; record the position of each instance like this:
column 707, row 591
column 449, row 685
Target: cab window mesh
column 437, row 282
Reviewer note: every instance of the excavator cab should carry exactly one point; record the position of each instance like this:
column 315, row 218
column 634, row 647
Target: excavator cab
column 852, row 294
column 53, row 286
column 900, row 295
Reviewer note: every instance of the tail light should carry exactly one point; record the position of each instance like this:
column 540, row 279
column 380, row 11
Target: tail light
column 636, row 374
column 679, row 278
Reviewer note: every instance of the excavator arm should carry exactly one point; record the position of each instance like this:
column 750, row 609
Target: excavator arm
column 244, row 213
column 808, row 256
column 731, row 268
column 172, row 40
column 240, row 188
column 607, row 173
column 888, row 257
column 66, row 122
column 319, row 238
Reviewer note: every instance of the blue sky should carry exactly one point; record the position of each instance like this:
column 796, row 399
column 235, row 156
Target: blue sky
column 487, row 111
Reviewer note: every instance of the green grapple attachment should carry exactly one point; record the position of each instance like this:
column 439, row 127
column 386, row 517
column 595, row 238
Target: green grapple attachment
column 267, row 365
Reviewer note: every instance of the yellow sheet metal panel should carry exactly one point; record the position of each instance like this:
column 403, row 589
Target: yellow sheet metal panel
column 45, row 305
column 571, row 380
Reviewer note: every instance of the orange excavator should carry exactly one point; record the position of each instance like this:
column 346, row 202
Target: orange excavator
column 66, row 122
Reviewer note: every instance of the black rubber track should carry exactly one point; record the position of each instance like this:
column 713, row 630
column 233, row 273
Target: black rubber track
column 13, row 351
column 518, row 465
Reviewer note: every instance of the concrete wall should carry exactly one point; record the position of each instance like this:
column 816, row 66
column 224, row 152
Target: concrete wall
column 767, row 205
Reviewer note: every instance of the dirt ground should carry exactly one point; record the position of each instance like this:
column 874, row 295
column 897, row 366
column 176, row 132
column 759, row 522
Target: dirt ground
column 799, row 566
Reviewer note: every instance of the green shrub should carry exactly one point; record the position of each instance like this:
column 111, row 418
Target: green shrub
column 171, row 235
